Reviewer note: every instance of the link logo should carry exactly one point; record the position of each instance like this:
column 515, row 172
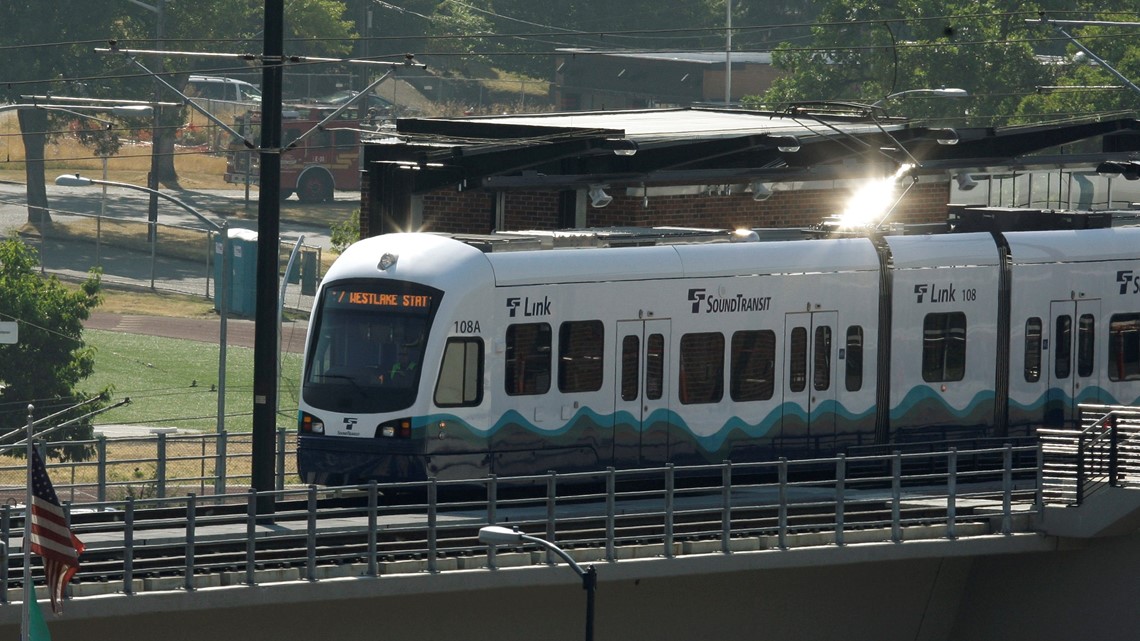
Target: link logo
column 935, row 293
column 728, row 304
column 1129, row 283
column 529, row 308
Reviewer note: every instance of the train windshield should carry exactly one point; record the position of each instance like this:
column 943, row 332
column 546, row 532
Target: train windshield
column 368, row 347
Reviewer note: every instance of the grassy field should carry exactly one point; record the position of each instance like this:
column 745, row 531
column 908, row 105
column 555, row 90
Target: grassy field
column 173, row 383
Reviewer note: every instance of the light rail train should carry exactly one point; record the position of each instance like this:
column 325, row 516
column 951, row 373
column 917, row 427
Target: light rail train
column 428, row 356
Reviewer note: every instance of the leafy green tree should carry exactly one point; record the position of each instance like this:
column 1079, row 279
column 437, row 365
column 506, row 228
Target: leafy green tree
column 44, row 44
column 1083, row 86
column 50, row 359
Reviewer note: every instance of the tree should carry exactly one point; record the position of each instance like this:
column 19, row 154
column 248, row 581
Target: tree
column 44, row 43
column 865, row 50
column 50, row 359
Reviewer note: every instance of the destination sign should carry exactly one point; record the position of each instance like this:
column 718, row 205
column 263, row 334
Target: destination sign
column 379, row 301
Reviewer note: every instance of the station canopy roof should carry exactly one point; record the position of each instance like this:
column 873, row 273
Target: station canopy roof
column 697, row 145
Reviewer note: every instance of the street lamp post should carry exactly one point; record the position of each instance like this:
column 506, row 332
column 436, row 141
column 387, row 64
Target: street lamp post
column 499, row 535
column 221, row 291
column 941, row 92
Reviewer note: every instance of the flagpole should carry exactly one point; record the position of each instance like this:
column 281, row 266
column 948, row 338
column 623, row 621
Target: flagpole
column 26, row 545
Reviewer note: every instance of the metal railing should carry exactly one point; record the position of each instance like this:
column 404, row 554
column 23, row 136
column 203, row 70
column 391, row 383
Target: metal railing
column 152, row 467
column 1102, row 453
column 318, row 533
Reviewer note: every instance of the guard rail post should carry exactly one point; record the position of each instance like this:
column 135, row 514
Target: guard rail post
column 311, row 535
column 840, row 495
column 281, row 440
column 160, row 467
column 101, row 468
column 373, row 506
column 952, row 494
column 492, row 516
column 611, row 514
column 129, row 546
column 1039, row 498
column 726, row 506
column 1113, row 451
column 1007, row 490
column 782, row 524
column 221, row 450
column 250, row 537
column 5, row 534
column 433, row 525
column 670, row 488
column 896, row 497
column 1080, row 476
column 191, row 526
column 551, row 499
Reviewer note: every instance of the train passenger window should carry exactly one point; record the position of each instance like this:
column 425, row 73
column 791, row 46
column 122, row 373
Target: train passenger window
column 630, row 367
column 1086, row 335
column 821, row 361
column 702, row 368
column 1124, row 347
column 944, row 347
column 1063, row 347
column 655, row 367
column 797, row 370
column 580, row 356
column 528, row 359
column 461, row 373
column 854, row 358
column 753, row 366
column 1033, row 350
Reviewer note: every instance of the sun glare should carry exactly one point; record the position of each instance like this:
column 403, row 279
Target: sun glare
column 870, row 204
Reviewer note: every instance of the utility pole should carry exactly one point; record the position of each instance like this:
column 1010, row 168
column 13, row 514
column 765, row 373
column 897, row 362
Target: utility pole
column 265, row 343
column 159, row 9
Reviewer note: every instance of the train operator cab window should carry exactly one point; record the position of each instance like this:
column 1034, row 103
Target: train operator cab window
column 368, row 346
column 1033, row 350
column 854, row 359
column 460, row 374
column 702, row 368
column 753, row 366
column 944, row 347
column 528, row 359
column 1124, row 347
column 580, row 346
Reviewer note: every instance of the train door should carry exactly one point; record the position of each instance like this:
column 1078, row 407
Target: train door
column 641, row 419
column 1074, row 374
column 809, row 394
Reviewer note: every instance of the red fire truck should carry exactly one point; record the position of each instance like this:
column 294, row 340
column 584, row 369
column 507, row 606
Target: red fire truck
column 326, row 159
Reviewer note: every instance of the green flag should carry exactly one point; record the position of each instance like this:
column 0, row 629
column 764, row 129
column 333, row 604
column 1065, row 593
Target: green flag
column 37, row 627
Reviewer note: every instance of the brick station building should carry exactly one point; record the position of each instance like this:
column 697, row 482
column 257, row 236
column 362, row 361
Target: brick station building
column 689, row 167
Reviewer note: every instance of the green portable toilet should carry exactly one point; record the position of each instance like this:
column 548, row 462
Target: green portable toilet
column 243, row 272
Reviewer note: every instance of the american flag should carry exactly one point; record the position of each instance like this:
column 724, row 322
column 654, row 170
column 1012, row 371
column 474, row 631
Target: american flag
column 50, row 536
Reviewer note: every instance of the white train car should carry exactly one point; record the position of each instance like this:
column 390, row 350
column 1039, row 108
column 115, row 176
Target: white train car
column 428, row 357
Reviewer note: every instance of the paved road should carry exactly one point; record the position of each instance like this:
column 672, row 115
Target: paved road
column 72, row 258
column 128, row 204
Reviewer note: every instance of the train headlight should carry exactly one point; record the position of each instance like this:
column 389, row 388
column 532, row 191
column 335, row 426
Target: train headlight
column 387, row 260
column 388, row 431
